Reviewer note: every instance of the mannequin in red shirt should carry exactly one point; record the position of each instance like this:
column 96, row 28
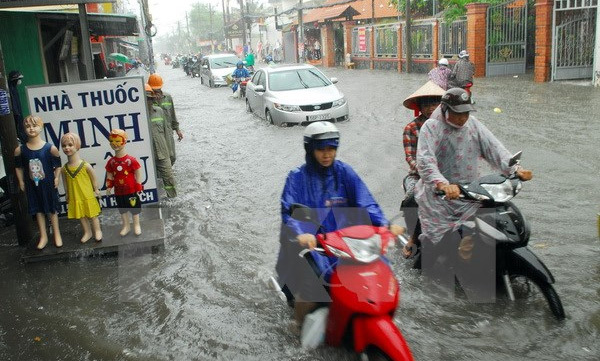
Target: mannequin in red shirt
column 123, row 172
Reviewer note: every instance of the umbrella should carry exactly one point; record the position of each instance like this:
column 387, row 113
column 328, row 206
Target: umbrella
column 118, row 57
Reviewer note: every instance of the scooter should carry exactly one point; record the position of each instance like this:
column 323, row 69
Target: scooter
column 363, row 290
column 6, row 208
column 502, row 226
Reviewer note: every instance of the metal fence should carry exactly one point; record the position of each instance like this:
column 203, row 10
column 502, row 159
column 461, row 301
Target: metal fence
column 386, row 41
column 452, row 38
column 421, row 40
column 361, row 41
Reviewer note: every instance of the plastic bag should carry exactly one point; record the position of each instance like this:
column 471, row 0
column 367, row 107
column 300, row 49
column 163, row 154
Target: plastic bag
column 313, row 328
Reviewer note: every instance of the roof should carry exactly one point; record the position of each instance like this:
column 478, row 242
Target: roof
column 283, row 67
column 362, row 7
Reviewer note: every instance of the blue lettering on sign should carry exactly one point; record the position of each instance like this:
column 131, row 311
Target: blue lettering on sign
column 99, row 127
column 51, row 103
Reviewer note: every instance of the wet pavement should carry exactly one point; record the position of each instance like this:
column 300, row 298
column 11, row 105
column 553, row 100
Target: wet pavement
column 205, row 296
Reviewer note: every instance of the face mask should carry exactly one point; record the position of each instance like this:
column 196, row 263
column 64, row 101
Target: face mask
column 19, row 82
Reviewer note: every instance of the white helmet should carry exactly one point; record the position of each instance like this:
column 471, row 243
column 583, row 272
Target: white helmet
column 443, row 61
column 320, row 131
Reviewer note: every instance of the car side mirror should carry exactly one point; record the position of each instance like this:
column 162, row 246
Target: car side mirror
column 334, row 80
column 515, row 158
column 259, row 89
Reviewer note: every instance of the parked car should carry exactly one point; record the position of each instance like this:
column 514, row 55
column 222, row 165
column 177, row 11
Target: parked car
column 295, row 94
column 216, row 67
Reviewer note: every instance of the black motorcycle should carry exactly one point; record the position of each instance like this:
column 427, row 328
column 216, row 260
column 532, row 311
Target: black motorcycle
column 501, row 227
column 6, row 208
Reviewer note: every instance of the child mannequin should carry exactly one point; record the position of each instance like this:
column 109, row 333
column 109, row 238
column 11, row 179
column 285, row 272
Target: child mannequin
column 124, row 174
column 81, row 188
column 41, row 161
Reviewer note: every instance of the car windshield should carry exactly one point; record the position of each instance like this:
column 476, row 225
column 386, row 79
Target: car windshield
column 220, row 63
column 297, row 79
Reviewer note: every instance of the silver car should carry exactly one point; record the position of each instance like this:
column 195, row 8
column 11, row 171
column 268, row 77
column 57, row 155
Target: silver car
column 216, row 67
column 295, row 94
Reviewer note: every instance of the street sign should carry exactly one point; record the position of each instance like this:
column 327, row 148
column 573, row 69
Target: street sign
column 234, row 30
column 92, row 109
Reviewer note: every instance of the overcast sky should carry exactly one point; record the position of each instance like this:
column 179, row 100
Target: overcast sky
column 166, row 13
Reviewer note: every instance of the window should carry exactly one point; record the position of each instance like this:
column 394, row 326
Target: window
column 297, row 79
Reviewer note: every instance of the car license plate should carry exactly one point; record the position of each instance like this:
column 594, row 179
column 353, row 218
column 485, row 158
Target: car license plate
column 312, row 118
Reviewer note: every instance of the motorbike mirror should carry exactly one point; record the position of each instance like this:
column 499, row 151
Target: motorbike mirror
column 259, row 89
column 334, row 80
column 515, row 158
column 300, row 212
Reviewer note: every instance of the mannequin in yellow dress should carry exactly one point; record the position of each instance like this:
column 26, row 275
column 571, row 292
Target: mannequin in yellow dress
column 81, row 188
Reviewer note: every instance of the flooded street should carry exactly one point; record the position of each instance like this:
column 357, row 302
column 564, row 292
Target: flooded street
column 205, row 296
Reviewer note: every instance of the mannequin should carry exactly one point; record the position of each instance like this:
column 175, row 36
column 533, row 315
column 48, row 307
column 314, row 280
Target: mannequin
column 81, row 188
column 123, row 172
column 37, row 166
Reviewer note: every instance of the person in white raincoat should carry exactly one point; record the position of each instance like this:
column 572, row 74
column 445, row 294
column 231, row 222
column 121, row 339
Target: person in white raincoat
column 450, row 145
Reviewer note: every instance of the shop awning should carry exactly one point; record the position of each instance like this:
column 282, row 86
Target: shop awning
column 100, row 24
column 335, row 12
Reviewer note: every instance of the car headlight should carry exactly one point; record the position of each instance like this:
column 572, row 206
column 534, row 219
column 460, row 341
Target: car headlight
column 287, row 108
column 500, row 192
column 365, row 250
column 338, row 103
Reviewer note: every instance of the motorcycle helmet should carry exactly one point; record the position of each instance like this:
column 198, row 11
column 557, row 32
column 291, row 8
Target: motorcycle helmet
column 240, row 64
column 463, row 54
column 155, row 81
column 443, row 61
column 319, row 135
column 458, row 100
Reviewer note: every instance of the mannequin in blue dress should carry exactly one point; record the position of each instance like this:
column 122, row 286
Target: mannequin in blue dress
column 37, row 165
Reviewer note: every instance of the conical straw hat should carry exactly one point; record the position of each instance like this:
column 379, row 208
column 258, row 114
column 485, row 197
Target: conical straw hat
column 429, row 89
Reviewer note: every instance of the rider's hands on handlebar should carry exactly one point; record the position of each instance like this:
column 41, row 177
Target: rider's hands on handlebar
column 396, row 229
column 307, row 240
column 451, row 190
column 524, row 174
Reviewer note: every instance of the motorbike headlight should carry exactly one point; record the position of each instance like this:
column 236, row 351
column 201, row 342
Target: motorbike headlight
column 365, row 250
column 339, row 103
column 287, row 108
column 500, row 192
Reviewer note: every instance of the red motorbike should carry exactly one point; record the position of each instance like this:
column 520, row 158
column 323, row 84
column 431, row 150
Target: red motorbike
column 363, row 290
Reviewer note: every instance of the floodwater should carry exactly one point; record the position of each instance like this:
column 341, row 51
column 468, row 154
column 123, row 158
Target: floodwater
column 205, row 296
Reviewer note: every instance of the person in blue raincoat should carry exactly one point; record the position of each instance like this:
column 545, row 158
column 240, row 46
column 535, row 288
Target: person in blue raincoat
column 340, row 198
column 240, row 73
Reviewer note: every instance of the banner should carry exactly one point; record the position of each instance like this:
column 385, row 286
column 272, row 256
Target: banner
column 362, row 40
column 92, row 109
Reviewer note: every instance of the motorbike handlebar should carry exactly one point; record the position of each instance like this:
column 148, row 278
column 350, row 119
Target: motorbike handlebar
column 306, row 250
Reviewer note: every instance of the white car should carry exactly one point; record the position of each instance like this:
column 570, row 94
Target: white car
column 295, row 94
column 216, row 67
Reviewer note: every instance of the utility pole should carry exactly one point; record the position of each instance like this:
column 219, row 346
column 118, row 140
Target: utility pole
column 8, row 142
column 86, row 47
column 249, row 25
column 300, row 33
column 597, row 51
column 373, row 13
column 147, row 25
column 243, row 23
column 408, row 39
column 210, row 35
column 224, row 24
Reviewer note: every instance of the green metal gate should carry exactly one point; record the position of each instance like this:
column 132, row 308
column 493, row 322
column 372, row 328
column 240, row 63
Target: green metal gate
column 573, row 39
column 506, row 49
